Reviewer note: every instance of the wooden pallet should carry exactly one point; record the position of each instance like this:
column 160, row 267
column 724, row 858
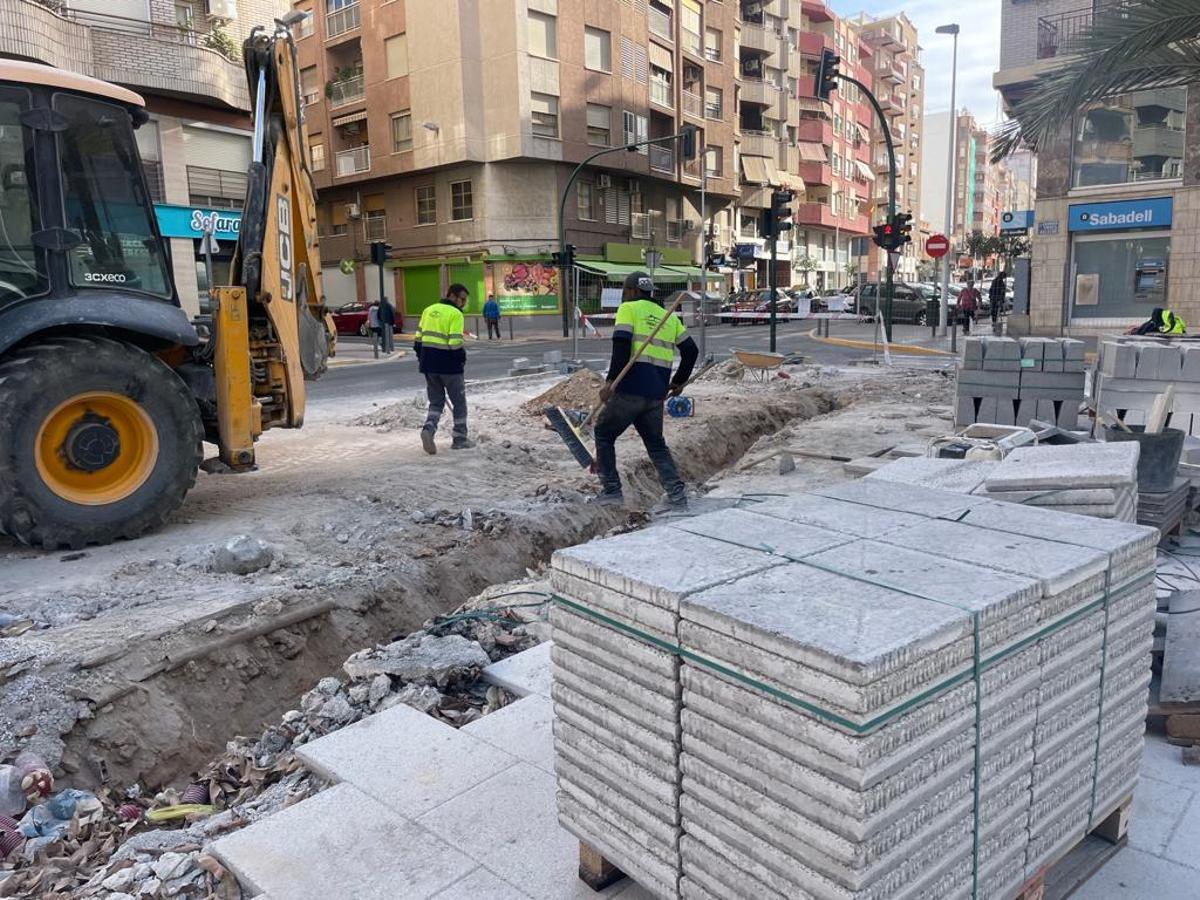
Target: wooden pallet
column 1061, row 877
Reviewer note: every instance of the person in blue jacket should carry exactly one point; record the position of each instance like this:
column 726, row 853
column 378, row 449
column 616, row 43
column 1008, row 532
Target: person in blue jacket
column 491, row 315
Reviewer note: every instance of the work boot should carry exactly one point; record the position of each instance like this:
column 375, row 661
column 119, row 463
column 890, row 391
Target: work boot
column 608, row 498
column 462, row 443
column 427, row 441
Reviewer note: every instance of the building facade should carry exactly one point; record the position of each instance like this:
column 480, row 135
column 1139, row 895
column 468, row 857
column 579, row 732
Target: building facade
column 1117, row 210
column 455, row 149
column 900, row 88
column 196, row 146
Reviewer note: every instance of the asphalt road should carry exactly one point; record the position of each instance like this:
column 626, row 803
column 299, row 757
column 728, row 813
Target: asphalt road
column 492, row 360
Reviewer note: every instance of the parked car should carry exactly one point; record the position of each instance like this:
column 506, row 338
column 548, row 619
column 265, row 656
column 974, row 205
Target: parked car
column 352, row 319
column 909, row 301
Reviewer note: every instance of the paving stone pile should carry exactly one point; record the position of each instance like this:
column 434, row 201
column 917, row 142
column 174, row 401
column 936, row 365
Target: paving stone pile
column 872, row 692
column 1133, row 371
column 1009, row 381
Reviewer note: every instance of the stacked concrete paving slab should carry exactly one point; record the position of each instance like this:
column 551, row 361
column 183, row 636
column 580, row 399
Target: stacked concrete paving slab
column 1133, row 371
column 1010, row 381
column 1089, row 479
column 828, row 719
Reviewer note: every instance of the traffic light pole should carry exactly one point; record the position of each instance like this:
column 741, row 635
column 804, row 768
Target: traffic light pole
column 564, row 275
column 889, row 287
column 772, row 283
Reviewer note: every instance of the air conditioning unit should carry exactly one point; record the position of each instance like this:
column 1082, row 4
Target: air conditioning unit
column 222, row 9
column 603, row 181
column 689, row 225
column 352, row 211
column 634, row 186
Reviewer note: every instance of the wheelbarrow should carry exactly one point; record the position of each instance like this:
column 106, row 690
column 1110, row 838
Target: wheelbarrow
column 759, row 363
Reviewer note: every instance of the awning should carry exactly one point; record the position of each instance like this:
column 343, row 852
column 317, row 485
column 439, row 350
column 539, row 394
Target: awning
column 811, row 152
column 772, row 171
column 754, row 169
column 864, row 170
column 792, row 182
column 359, row 116
column 693, row 273
column 617, row 271
column 863, row 132
column 661, row 57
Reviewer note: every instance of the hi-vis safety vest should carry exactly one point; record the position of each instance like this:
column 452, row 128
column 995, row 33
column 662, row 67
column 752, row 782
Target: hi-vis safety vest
column 1171, row 323
column 651, row 374
column 441, row 327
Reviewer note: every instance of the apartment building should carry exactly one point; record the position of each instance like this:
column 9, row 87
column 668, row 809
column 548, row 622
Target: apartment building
column 196, row 146
column 900, row 88
column 970, row 176
column 1117, row 206
column 450, row 129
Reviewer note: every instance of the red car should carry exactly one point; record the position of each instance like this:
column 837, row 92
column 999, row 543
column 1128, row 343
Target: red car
column 352, row 319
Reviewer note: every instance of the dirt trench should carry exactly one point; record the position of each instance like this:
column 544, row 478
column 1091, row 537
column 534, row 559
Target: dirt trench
column 155, row 713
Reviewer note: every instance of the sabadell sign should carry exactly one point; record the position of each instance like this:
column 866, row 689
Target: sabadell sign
column 1150, row 212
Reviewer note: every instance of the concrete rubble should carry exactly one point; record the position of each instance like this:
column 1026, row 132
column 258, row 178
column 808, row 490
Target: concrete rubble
column 782, row 701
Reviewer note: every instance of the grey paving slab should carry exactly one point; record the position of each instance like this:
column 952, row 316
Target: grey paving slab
column 1184, row 832
column 573, row 669
column 659, row 565
column 960, row 476
column 522, row 729
column 601, row 643
column 1000, row 347
column 750, row 529
column 1055, row 496
column 341, row 843
column 481, row 885
column 613, row 730
column 523, row 673
column 1099, row 465
column 651, row 778
column 654, row 620
column 989, row 406
column 616, row 845
column 1068, row 382
column 405, row 759
column 582, row 783
column 837, row 515
column 913, row 499
column 1136, row 875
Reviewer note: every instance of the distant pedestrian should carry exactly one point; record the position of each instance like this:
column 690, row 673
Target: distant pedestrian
column 443, row 360
column 968, row 305
column 373, row 322
column 997, row 298
column 491, row 315
column 387, row 325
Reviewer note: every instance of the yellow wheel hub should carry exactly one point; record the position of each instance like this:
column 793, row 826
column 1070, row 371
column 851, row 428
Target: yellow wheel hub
column 96, row 448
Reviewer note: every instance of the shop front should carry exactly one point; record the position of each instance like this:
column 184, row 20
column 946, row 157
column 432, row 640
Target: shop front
column 1119, row 261
column 185, row 226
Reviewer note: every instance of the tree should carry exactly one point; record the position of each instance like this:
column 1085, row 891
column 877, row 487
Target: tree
column 218, row 40
column 1131, row 45
column 805, row 264
column 1005, row 247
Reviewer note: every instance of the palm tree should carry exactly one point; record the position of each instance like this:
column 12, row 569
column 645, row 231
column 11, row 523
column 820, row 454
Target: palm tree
column 1132, row 45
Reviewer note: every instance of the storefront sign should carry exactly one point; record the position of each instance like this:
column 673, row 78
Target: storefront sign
column 1050, row 227
column 1119, row 215
column 745, row 253
column 526, row 288
column 193, row 221
column 1016, row 221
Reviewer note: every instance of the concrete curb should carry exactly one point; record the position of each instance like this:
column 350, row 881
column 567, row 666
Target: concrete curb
column 910, row 349
column 336, row 363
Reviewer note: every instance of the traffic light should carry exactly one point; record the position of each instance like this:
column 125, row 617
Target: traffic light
column 566, row 259
column 885, row 235
column 894, row 233
column 687, row 143
column 379, row 252
column 781, row 213
column 903, row 223
column 827, row 74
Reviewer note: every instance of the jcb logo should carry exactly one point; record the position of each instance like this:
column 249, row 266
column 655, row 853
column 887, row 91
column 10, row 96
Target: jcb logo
column 283, row 210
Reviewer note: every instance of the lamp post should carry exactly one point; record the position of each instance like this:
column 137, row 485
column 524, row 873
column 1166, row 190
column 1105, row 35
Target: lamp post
column 952, row 163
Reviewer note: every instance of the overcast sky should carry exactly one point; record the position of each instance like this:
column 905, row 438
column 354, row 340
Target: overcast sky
column 978, row 47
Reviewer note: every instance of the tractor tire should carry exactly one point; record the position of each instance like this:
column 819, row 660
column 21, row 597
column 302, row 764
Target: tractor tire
column 99, row 440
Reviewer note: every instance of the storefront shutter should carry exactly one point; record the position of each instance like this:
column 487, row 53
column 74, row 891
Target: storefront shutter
column 216, row 149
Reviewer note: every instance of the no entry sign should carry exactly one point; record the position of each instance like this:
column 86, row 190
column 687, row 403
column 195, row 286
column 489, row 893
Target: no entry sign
column 937, row 246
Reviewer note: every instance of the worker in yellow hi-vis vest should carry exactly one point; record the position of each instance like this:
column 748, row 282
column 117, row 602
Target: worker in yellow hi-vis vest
column 443, row 361
column 638, row 399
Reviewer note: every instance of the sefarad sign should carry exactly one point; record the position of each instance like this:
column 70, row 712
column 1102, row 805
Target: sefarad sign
column 1120, row 215
column 193, row 221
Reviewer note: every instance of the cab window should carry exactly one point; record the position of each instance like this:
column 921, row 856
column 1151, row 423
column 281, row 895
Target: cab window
column 22, row 266
column 105, row 202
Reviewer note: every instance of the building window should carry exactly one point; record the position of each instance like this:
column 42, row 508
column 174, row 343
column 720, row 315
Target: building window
column 587, row 200
column 426, row 205
column 401, row 132
column 713, row 103
column 461, row 206
column 635, row 128
column 396, row 50
column 712, row 44
column 599, row 125
column 543, row 35
column 691, row 26
column 148, row 149
column 217, row 188
column 317, row 152
column 660, row 19
column 597, row 49
column 1130, row 138
column 544, row 114
column 713, row 162
column 837, row 164
column 1119, row 276
column 310, row 86
column 304, row 28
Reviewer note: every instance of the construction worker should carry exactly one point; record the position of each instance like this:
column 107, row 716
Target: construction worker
column 443, row 359
column 638, row 399
column 1161, row 321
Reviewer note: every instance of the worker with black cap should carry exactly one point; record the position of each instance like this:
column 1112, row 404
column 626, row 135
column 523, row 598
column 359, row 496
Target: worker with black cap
column 638, row 399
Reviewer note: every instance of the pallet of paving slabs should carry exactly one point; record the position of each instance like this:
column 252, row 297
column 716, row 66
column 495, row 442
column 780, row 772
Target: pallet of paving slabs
column 1061, row 878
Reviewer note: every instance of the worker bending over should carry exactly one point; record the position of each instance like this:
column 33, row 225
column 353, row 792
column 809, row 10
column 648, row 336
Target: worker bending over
column 443, row 361
column 638, row 399
column 1161, row 321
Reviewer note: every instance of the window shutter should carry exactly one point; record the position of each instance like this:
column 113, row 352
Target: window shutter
column 627, row 58
column 641, row 65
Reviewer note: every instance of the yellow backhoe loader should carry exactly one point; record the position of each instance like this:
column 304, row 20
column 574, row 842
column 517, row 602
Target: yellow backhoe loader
column 107, row 390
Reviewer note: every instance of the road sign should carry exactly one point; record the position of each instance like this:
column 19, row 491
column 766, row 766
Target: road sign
column 937, row 246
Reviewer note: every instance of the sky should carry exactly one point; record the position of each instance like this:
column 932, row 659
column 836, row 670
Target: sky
column 978, row 48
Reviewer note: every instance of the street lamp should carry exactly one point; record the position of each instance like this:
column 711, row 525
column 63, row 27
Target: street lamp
column 943, row 308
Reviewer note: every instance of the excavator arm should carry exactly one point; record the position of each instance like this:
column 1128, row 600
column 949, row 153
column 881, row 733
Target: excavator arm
column 271, row 331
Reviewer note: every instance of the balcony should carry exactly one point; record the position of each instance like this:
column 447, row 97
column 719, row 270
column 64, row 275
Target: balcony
column 660, row 93
column 757, row 37
column 886, row 71
column 342, row 21
column 1056, row 33
column 815, row 131
column 761, row 93
column 353, row 162
column 346, row 91
column 375, row 228
column 760, row 143
column 813, row 42
column 640, row 226
column 662, row 159
column 818, row 214
column 691, row 43
column 660, row 23
column 815, row 173
column 102, row 46
column 1157, row 140
column 693, row 105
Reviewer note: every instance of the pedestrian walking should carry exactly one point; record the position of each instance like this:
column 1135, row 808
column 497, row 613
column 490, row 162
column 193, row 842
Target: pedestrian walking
column 638, row 400
column 387, row 325
column 997, row 299
column 443, row 359
column 373, row 325
column 491, row 315
column 968, row 305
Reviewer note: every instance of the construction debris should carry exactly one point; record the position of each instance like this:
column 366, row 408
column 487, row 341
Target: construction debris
column 822, row 654
column 580, row 391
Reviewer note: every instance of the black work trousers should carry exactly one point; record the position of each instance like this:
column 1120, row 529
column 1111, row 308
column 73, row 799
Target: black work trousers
column 438, row 388
column 646, row 416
